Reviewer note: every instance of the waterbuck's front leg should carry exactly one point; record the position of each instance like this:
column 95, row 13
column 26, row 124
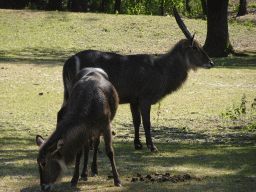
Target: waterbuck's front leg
column 76, row 171
column 136, row 122
column 145, row 107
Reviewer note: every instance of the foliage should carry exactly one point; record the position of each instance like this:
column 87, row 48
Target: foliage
column 238, row 113
column 252, row 5
column 137, row 7
column 196, row 8
column 131, row 7
column 150, row 7
column 252, row 126
column 31, row 6
column 248, row 23
column 235, row 7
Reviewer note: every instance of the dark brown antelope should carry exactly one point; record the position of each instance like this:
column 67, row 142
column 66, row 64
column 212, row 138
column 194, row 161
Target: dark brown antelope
column 140, row 79
column 91, row 107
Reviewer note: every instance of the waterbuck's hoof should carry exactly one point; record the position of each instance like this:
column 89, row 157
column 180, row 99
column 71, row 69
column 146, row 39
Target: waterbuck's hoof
column 153, row 149
column 94, row 174
column 72, row 184
column 83, row 178
column 138, row 146
column 46, row 187
column 118, row 184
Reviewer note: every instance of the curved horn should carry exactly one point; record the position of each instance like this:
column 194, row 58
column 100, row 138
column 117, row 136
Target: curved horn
column 181, row 24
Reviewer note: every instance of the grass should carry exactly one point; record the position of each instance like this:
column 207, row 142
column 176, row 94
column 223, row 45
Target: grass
column 252, row 5
column 187, row 127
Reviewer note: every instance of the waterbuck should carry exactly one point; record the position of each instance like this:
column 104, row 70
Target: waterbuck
column 140, row 79
column 90, row 108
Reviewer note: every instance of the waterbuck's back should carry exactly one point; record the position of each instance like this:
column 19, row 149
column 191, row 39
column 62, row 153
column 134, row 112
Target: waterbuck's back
column 129, row 74
column 93, row 95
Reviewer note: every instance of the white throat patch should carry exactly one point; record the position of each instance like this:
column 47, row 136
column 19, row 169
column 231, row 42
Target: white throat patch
column 62, row 166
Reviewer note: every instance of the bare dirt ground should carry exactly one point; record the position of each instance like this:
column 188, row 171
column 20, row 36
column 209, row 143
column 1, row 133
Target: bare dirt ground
column 251, row 12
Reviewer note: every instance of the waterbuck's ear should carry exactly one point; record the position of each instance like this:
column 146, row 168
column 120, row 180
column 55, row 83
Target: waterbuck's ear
column 39, row 140
column 102, row 72
column 57, row 147
column 192, row 40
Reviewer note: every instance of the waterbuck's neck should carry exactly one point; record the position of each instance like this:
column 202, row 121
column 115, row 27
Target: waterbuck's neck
column 72, row 136
column 73, row 142
column 174, row 66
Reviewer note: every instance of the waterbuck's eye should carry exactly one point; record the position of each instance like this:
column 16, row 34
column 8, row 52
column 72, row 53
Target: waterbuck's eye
column 43, row 163
column 195, row 47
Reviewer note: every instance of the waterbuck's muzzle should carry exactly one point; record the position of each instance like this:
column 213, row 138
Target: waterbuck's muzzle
column 209, row 65
column 46, row 187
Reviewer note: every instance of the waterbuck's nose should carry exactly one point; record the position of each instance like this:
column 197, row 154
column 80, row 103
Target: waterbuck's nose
column 209, row 65
column 46, row 187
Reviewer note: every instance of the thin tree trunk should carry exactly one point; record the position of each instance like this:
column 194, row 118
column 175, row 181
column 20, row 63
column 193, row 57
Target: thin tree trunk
column 117, row 6
column 103, row 3
column 54, row 5
column 84, row 5
column 78, row 5
column 204, row 6
column 162, row 7
column 242, row 8
column 188, row 8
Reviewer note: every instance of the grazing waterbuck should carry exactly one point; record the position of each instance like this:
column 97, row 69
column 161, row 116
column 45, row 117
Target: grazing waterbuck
column 140, row 79
column 90, row 108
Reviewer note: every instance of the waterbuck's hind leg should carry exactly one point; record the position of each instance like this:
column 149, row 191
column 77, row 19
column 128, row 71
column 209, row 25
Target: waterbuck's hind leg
column 110, row 153
column 76, row 171
column 145, row 107
column 85, row 171
column 94, row 167
column 136, row 122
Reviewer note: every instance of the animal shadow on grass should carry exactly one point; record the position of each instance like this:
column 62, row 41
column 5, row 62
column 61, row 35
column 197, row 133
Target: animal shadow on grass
column 36, row 56
column 170, row 135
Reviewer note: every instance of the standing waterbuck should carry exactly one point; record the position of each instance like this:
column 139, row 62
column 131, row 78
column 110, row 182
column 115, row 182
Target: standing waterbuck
column 140, row 79
column 90, row 108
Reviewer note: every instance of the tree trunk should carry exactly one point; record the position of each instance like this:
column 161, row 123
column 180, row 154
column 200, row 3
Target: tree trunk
column 188, row 8
column 162, row 7
column 69, row 6
column 103, row 3
column 217, row 42
column 78, row 5
column 117, row 6
column 242, row 8
column 204, row 6
column 54, row 5
column 85, row 5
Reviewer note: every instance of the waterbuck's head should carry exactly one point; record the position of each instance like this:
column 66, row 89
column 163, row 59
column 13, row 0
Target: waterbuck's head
column 51, row 166
column 195, row 56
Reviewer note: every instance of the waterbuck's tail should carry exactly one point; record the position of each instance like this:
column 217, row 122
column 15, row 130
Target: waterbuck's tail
column 70, row 69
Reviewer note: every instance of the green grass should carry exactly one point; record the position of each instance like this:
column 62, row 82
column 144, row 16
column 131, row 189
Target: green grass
column 252, row 5
column 189, row 131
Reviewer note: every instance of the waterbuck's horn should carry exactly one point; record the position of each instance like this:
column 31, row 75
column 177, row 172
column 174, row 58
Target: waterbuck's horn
column 181, row 24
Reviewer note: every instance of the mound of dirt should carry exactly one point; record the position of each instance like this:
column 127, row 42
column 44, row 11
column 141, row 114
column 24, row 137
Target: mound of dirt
column 157, row 177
